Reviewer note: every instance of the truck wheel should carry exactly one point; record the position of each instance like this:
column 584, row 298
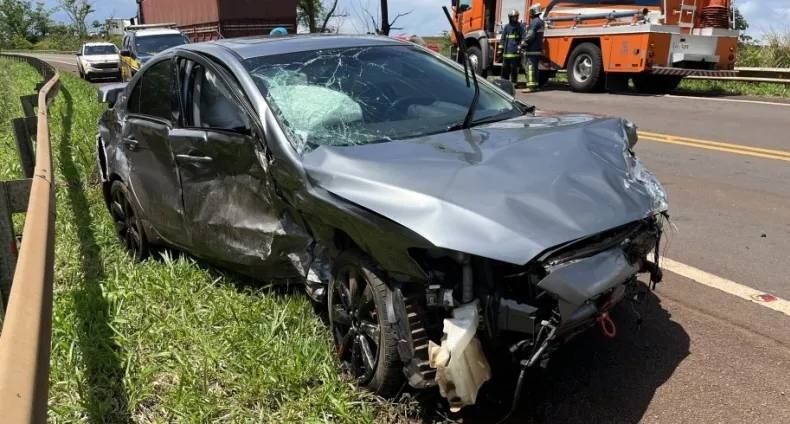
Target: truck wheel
column 476, row 60
column 365, row 341
column 656, row 84
column 585, row 68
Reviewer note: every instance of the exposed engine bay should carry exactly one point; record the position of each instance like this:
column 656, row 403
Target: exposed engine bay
column 528, row 310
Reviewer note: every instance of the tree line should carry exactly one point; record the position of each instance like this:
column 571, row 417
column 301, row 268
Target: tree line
column 23, row 23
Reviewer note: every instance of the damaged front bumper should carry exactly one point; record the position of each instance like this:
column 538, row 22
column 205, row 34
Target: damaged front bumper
column 529, row 310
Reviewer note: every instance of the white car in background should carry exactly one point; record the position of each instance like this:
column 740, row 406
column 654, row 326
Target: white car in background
column 99, row 60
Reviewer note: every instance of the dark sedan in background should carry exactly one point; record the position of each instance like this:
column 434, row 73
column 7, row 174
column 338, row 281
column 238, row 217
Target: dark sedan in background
column 436, row 221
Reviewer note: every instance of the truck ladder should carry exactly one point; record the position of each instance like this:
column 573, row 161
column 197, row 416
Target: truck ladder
column 687, row 10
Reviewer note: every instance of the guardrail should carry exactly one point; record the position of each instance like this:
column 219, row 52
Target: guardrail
column 27, row 324
column 770, row 75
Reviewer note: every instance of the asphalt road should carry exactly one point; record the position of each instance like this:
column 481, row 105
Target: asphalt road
column 703, row 353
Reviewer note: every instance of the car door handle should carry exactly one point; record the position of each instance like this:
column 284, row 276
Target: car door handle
column 196, row 159
column 131, row 143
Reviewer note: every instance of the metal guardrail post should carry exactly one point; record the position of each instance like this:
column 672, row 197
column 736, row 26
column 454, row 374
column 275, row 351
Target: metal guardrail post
column 7, row 247
column 24, row 146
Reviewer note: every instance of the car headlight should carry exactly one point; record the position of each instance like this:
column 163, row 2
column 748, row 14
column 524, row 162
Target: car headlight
column 630, row 132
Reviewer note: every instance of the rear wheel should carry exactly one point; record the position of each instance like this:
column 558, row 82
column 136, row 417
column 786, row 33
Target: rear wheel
column 656, row 84
column 128, row 226
column 365, row 342
column 585, row 68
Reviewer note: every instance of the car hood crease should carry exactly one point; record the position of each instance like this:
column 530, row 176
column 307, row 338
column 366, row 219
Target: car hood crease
column 506, row 191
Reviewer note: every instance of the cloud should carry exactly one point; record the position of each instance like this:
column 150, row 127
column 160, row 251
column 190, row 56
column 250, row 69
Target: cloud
column 426, row 17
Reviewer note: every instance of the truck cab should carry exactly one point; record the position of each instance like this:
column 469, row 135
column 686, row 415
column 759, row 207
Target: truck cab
column 142, row 42
column 606, row 44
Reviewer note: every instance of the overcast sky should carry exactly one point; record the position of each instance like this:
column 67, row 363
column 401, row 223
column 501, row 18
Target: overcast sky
column 426, row 17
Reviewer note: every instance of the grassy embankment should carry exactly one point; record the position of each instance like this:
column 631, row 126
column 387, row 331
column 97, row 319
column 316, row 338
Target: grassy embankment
column 166, row 340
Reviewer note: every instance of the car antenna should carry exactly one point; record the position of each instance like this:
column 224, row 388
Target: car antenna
column 458, row 37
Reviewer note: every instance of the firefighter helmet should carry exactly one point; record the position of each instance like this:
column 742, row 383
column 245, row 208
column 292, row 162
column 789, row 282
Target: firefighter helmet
column 534, row 10
column 513, row 13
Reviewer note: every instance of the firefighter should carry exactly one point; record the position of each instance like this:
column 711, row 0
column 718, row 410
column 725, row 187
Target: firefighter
column 533, row 47
column 512, row 37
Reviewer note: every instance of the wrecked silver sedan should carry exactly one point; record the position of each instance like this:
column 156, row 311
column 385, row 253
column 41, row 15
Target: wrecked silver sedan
column 436, row 221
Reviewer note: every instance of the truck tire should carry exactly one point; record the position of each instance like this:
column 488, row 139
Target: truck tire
column 476, row 60
column 585, row 68
column 366, row 342
column 656, row 84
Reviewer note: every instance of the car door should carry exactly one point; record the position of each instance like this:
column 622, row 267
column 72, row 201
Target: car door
column 153, row 177
column 227, row 196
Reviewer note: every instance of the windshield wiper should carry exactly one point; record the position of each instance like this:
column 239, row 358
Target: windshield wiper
column 467, row 69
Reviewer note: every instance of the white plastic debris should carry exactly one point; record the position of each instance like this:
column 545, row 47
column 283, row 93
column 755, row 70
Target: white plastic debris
column 461, row 365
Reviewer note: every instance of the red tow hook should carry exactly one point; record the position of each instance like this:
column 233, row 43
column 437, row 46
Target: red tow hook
column 607, row 325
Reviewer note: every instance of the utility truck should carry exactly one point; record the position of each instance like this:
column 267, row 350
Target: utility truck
column 600, row 43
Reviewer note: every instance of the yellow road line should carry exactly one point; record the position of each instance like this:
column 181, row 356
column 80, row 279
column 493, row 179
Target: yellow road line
column 717, row 146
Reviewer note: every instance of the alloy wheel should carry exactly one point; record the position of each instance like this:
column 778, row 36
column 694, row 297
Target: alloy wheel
column 582, row 68
column 355, row 323
column 127, row 226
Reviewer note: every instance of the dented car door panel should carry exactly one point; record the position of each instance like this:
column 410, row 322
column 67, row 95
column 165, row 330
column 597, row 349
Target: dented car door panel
column 152, row 176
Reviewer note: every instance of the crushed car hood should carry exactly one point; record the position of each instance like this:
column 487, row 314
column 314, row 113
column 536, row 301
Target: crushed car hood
column 506, row 191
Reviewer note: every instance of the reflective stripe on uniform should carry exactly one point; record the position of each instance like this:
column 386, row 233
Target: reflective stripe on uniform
column 511, row 55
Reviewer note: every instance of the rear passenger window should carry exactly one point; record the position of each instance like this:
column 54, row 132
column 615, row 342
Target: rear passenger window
column 156, row 91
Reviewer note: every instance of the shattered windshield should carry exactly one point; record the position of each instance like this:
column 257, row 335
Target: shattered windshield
column 364, row 95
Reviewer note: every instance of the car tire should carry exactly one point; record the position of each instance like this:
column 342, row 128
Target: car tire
column 128, row 226
column 656, row 84
column 585, row 68
column 476, row 60
column 365, row 341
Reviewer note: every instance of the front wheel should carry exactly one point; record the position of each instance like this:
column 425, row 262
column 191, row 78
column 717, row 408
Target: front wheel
column 585, row 68
column 476, row 60
column 365, row 342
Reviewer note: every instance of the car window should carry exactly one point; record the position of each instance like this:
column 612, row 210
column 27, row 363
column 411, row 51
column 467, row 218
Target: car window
column 364, row 95
column 152, row 44
column 210, row 103
column 100, row 50
column 155, row 92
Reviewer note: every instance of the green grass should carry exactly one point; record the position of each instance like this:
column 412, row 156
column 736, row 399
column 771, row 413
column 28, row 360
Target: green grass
column 733, row 88
column 167, row 340
column 16, row 79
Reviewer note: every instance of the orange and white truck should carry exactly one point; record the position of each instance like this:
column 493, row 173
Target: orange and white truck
column 606, row 43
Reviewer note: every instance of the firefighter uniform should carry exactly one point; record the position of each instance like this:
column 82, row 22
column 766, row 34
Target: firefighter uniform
column 512, row 37
column 533, row 48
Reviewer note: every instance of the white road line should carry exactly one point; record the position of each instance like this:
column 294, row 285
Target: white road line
column 725, row 285
column 754, row 102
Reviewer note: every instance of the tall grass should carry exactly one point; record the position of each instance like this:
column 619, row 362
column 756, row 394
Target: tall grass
column 773, row 53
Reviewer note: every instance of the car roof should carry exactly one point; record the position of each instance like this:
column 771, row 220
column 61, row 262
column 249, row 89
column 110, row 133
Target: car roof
column 158, row 31
column 98, row 44
column 269, row 46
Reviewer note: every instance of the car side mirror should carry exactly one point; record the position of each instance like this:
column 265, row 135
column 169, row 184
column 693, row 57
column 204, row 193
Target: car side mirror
column 506, row 86
column 79, row 54
column 126, row 53
column 109, row 93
